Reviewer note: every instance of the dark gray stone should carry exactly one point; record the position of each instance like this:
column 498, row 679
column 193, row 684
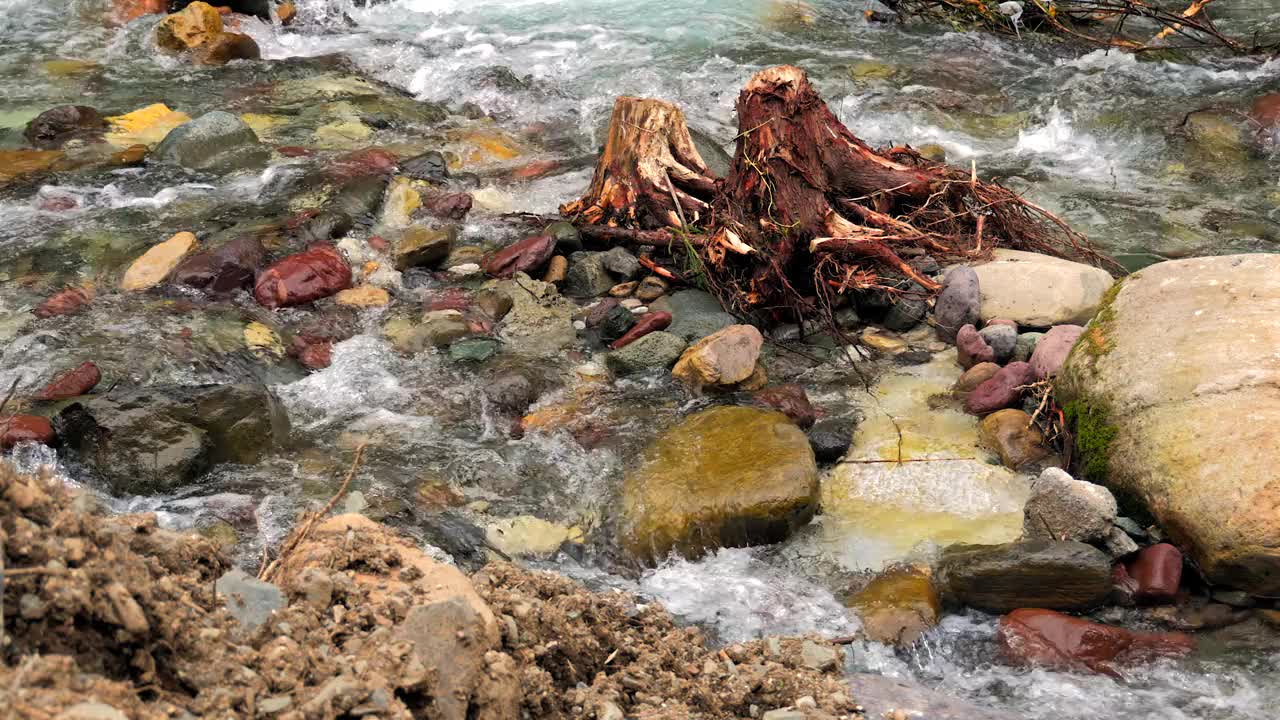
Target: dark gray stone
column 718, row 160
column 830, row 440
column 958, row 302
column 216, row 141
column 429, row 166
column 1032, row 574
column 621, row 263
column 52, row 128
column 587, row 276
column 511, row 391
column 616, row 322
column 908, row 310
column 1026, row 345
column 657, row 350
column 359, row 199
column 568, row 239
column 1001, row 339
column 696, row 314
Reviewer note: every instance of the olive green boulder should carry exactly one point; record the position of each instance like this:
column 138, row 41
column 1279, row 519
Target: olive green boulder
column 724, row 477
column 1173, row 392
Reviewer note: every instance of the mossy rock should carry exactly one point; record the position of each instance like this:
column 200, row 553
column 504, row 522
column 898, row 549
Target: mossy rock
column 725, row 477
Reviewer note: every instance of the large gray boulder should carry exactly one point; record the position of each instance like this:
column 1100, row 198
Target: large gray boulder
column 1174, row 395
column 216, row 141
column 1037, row 290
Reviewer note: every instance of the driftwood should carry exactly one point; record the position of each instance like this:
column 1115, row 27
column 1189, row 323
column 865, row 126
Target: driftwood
column 808, row 212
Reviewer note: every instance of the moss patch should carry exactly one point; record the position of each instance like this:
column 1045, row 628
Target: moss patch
column 1093, row 437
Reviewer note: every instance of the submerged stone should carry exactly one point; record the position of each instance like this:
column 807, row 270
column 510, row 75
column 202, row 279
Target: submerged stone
column 216, row 141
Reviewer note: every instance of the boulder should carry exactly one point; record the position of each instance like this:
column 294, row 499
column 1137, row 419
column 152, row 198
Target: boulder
column 695, row 489
column 1002, row 390
column 1037, row 290
column 1052, row 349
column 51, row 129
column 898, row 606
column 1034, row 573
column 972, row 349
column 156, row 263
column 77, row 381
column 525, row 256
column 160, row 438
column 225, row 269
column 958, row 303
column 1174, row 395
column 216, row 142
column 1063, row 508
column 656, row 350
column 791, row 400
column 303, row 277
column 1043, row 638
column 25, row 428
column 1158, row 572
column 724, row 358
column 1011, row 435
column 420, row 246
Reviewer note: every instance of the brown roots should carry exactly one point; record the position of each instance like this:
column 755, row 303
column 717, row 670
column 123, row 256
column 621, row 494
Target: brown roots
column 808, row 213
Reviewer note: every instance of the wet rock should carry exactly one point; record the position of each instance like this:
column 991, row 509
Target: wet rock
column 1025, row 347
column 163, row 437
column 648, row 323
column 430, row 166
column 1178, row 410
column 66, row 302
column 366, row 162
column 71, row 383
column 447, row 206
column 958, row 302
column 493, row 303
column 249, row 600
column 1063, row 508
column 316, row 355
column 1158, row 571
column 22, row 163
column 1118, row 544
column 540, row 322
column 908, row 310
column 225, row 269
column 1043, row 638
column 216, row 141
column 722, row 359
column 156, row 263
column 1035, row 573
column 473, row 350
column 697, row 314
column 401, row 201
column 696, row 490
column 530, row 537
column 1012, row 436
column 972, row 348
column 1052, row 350
column 303, row 277
column 1037, row 290
column 587, row 276
column 323, row 226
column 791, row 400
column 511, row 391
column 620, row 262
column 623, row 290
column 198, row 29
column 557, row 268
column 975, row 376
column 25, row 428
column 225, row 47
column 898, row 606
column 657, row 350
column 568, row 239
column 51, row 129
column 1001, row 339
column 525, row 256
column 893, row 698
column 364, row 296
column 651, row 288
column 359, row 199
column 441, row 327
column 1215, row 138
column 1003, row 390
column 616, row 322
column 420, row 246
column 830, row 440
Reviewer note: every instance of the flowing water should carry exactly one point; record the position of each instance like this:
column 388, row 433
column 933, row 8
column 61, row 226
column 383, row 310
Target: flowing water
column 1092, row 135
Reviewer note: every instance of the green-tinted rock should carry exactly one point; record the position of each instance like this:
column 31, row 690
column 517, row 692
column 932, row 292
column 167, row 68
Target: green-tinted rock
column 657, row 350
column 473, row 350
column 1033, row 574
column 217, row 141
column 696, row 489
column 420, row 246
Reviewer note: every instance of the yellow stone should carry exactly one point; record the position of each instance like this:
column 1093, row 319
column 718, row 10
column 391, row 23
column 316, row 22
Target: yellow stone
column 483, row 147
column 155, row 264
column 898, row 606
column 884, row 341
column 66, row 67
column 16, row 163
column 365, row 296
column 263, row 125
column 528, row 536
column 402, row 200
column 262, row 340
column 145, row 126
column 342, row 134
column 195, row 25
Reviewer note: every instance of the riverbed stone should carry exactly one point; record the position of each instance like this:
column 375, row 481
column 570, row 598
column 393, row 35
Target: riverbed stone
column 1037, row 290
column 1011, row 435
column 898, row 606
column 1052, row 350
column 1042, row 638
column 908, row 310
column 1026, row 345
column 540, row 321
column 1001, row 339
column 1002, row 390
column 157, row 262
column 1158, row 572
column 896, row 698
column 971, row 348
column 830, row 440
column 51, row 129
column 1177, row 408
column 225, row 269
column 422, row 246
column 958, row 303
column 697, row 314
column 1034, row 573
column 975, row 376
column 1063, row 508
column 695, row 489
column 217, row 142
column 657, row 350
column 724, row 358
column 25, row 428
column 587, row 276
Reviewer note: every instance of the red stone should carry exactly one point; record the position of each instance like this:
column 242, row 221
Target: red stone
column 1124, row 589
column 71, row 383
column 64, row 303
column 293, row 151
column 535, row 170
column 24, row 428
column 448, row 206
column 1045, row 638
column 972, row 348
column 225, row 269
column 1266, row 111
column 303, row 277
column 527, row 255
column 1158, row 572
column 362, row 163
column 317, row 355
column 122, row 11
column 1001, row 390
column 448, row 299
column 790, row 399
column 651, row 322
column 379, row 243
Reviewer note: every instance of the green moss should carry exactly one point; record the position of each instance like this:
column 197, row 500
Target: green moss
column 1093, row 436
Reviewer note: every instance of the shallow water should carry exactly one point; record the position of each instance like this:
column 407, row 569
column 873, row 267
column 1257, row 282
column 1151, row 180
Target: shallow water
column 1087, row 133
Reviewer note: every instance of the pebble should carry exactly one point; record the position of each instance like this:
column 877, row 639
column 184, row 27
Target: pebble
column 465, row 270
column 632, row 303
column 639, row 310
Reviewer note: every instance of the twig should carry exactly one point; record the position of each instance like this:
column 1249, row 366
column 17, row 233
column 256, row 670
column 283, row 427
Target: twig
column 296, row 539
column 900, row 460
